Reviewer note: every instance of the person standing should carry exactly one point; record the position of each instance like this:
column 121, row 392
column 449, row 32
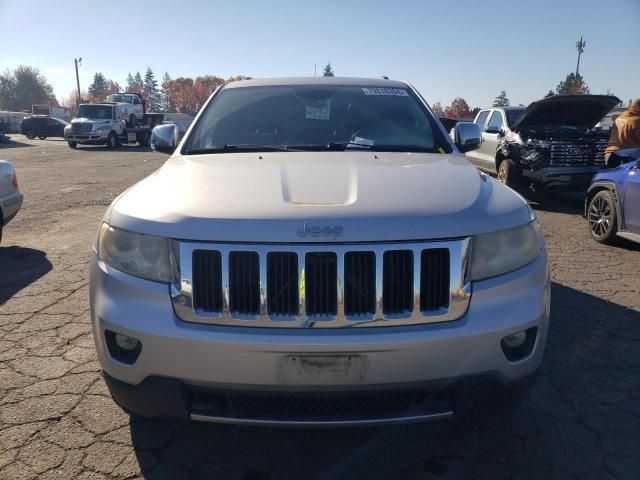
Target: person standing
column 625, row 131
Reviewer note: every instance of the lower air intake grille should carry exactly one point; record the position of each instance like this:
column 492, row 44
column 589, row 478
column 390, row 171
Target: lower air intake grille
column 321, row 283
column 207, row 278
column 244, row 283
column 397, row 285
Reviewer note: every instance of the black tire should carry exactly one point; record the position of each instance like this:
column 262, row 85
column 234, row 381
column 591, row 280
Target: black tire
column 112, row 141
column 603, row 218
column 144, row 139
column 42, row 137
column 30, row 134
column 73, row 145
column 132, row 121
column 509, row 174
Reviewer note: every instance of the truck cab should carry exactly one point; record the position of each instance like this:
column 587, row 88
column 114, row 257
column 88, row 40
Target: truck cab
column 96, row 124
column 131, row 105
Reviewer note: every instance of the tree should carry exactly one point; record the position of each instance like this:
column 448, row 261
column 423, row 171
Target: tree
column 459, row 109
column 97, row 88
column 475, row 111
column 328, row 71
column 549, row 94
column 165, row 94
column 24, row 87
column 572, row 85
column 151, row 89
column 437, row 109
column 501, row 100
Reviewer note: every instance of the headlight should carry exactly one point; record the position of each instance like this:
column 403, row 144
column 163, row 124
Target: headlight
column 144, row 256
column 501, row 252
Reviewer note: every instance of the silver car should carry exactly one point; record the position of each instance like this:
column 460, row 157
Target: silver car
column 317, row 251
column 10, row 195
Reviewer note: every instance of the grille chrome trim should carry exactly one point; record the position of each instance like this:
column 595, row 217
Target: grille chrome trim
column 565, row 153
column 459, row 286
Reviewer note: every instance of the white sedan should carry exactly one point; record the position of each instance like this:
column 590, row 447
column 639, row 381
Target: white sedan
column 10, row 195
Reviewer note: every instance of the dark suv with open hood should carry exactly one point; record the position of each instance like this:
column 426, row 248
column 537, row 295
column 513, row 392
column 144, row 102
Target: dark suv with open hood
column 549, row 145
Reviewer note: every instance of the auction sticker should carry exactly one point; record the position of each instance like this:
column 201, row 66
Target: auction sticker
column 390, row 92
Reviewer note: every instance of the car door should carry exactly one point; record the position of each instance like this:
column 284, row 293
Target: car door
column 481, row 120
column 490, row 139
column 631, row 205
column 53, row 128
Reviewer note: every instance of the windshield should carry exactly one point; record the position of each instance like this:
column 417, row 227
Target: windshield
column 103, row 112
column 513, row 114
column 119, row 98
column 316, row 117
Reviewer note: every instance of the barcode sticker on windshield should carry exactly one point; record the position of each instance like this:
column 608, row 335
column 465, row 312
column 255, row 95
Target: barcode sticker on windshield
column 392, row 92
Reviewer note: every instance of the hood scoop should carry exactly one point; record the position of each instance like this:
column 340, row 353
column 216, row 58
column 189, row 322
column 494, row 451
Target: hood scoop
column 309, row 185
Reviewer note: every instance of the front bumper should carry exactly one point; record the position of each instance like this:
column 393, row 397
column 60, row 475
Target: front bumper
column 10, row 206
column 178, row 360
column 562, row 178
column 86, row 137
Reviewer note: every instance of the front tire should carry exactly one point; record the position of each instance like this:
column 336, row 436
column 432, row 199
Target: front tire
column 132, row 121
column 42, row 137
column 602, row 217
column 112, row 141
column 30, row 135
column 509, row 174
column 73, row 145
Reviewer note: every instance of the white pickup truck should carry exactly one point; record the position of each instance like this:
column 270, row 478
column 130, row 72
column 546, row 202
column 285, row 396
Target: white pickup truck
column 131, row 105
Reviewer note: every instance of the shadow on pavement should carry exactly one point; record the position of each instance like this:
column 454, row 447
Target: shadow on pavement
column 570, row 203
column 582, row 406
column 14, row 144
column 19, row 268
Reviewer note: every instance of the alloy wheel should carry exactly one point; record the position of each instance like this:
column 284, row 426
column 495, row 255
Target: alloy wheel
column 600, row 216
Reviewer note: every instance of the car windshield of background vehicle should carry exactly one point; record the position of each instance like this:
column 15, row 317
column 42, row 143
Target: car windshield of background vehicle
column 100, row 112
column 119, row 98
column 316, row 117
column 513, row 114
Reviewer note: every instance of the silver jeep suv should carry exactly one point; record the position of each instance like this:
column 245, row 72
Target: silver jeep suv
column 317, row 252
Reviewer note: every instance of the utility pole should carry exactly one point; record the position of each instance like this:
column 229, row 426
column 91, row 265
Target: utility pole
column 580, row 44
column 314, row 70
column 78, row 61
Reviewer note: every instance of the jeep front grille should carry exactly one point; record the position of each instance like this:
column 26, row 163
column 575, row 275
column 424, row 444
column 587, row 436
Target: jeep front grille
column 572, row 154
column 322, row 285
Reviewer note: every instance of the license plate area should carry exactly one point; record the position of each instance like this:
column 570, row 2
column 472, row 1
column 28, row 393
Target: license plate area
column 323, row 369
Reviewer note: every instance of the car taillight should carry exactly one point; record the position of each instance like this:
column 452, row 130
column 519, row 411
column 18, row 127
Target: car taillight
column 14, row 181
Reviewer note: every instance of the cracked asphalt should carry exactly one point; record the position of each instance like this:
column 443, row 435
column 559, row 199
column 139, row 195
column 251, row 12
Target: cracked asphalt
column 57, row 421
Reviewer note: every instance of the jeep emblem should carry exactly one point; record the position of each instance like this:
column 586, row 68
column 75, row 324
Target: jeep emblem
column 310, row 229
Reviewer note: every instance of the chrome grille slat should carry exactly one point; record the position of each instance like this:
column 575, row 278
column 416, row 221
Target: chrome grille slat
column 278, row 288
column 564, row 153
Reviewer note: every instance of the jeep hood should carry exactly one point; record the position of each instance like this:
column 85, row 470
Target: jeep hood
column 579, row 111
column 268, row 197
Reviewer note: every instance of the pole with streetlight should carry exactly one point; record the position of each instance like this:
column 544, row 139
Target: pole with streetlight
column 78, row 61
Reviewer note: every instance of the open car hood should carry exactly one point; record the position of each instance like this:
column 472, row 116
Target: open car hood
column 579, row 111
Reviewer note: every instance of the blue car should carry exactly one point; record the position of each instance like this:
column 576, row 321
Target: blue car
column 612, row 206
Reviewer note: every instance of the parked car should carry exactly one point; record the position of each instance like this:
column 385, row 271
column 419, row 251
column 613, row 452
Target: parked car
column 317, row 252
column 547, row 146
column 10, row 195
column 42, row 126
column 131, row 107
column 612, row 206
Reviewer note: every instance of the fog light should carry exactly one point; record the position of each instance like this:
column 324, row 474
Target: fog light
column 519, row 345
column 511, row 341
column 123, row 348
column 127, row 343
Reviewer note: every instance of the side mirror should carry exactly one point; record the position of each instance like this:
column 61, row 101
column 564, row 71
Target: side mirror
column 164, row 138
column 467, row 136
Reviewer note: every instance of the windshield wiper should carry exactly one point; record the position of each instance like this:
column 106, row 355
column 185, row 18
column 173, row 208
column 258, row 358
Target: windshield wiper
column 241, row 147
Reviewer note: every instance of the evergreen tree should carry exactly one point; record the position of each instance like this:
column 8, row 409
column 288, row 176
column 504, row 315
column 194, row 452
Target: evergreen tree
column 98, row 87
column 549, row 94
column 501, row 100
column 137, row 81
column 150, row 87
column 328, row 71
column 130, row 82
column 572, row 85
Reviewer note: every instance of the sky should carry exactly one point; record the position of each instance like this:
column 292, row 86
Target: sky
column 446, row 49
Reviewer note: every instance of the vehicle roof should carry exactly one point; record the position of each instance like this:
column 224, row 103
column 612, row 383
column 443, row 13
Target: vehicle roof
column 370, row 82
column 101, row 104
